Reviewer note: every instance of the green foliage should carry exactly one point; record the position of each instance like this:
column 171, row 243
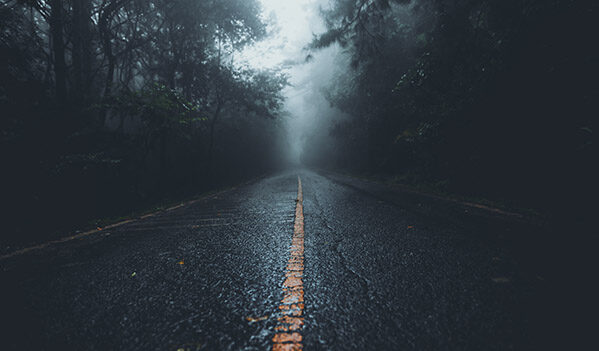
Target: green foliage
column 158, row 103
column 481, row 95
column 154, row 104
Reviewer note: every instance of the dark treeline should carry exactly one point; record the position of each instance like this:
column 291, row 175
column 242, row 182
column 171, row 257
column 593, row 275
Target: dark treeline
column 111, row 105
column 486, row 98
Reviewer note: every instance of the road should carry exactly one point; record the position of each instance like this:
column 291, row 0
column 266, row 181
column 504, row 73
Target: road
column 376, row 274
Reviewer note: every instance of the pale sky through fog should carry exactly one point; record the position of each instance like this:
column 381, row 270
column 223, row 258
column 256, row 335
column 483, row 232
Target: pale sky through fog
column 293, row 23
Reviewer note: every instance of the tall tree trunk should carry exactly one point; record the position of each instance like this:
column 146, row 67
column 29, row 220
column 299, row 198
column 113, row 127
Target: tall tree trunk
column 211, row 146
column 163, row 160
column 81, row 49
column 107, row 46
column 104, row 28
column 219, row 105
column 109, row 71
column 60, row 67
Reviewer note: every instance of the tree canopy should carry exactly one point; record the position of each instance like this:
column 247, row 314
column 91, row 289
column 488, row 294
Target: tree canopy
column 488, row 98
column 107, row 104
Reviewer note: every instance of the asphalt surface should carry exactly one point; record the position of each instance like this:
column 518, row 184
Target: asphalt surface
column 379, row 274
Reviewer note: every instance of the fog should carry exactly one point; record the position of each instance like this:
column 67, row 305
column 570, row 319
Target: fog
column 460, row 97
column 316, row 73
column 134, row 102
column 311, row 114
column 292, row 27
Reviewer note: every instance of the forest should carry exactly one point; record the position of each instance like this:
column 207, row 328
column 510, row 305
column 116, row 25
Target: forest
column 485, row 99
column 109, row 106
column 112, row 106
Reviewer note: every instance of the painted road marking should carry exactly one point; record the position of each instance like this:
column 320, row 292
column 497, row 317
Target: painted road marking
column 291, row 309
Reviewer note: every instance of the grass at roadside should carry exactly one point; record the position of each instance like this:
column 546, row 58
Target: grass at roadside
column 405, row 182
column 152, row 207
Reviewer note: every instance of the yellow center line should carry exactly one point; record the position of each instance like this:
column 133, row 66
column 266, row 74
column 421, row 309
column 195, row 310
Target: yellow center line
column 291, row 320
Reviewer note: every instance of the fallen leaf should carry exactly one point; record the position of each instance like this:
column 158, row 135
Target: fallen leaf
column 181, row 262
column 252, row 319
column 99, row 228
column 189, row 347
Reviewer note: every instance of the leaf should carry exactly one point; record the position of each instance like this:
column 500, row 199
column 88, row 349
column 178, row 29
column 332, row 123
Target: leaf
column 257, row 319
column 587, row 129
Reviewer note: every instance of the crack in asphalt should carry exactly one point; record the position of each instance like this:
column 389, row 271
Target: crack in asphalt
column 366, row 284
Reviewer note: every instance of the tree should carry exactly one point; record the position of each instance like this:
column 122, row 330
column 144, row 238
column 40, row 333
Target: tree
column 469, row 94
column 149, row 89
column 82, row 50
column 58, row 48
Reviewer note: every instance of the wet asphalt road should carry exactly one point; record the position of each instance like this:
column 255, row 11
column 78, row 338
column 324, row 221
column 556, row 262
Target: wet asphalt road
column 208, row 276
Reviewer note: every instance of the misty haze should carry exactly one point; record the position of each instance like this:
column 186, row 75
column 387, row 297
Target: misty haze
column 297, row 174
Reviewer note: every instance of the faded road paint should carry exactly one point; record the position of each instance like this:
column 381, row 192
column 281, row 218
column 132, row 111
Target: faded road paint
column 291, row 309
